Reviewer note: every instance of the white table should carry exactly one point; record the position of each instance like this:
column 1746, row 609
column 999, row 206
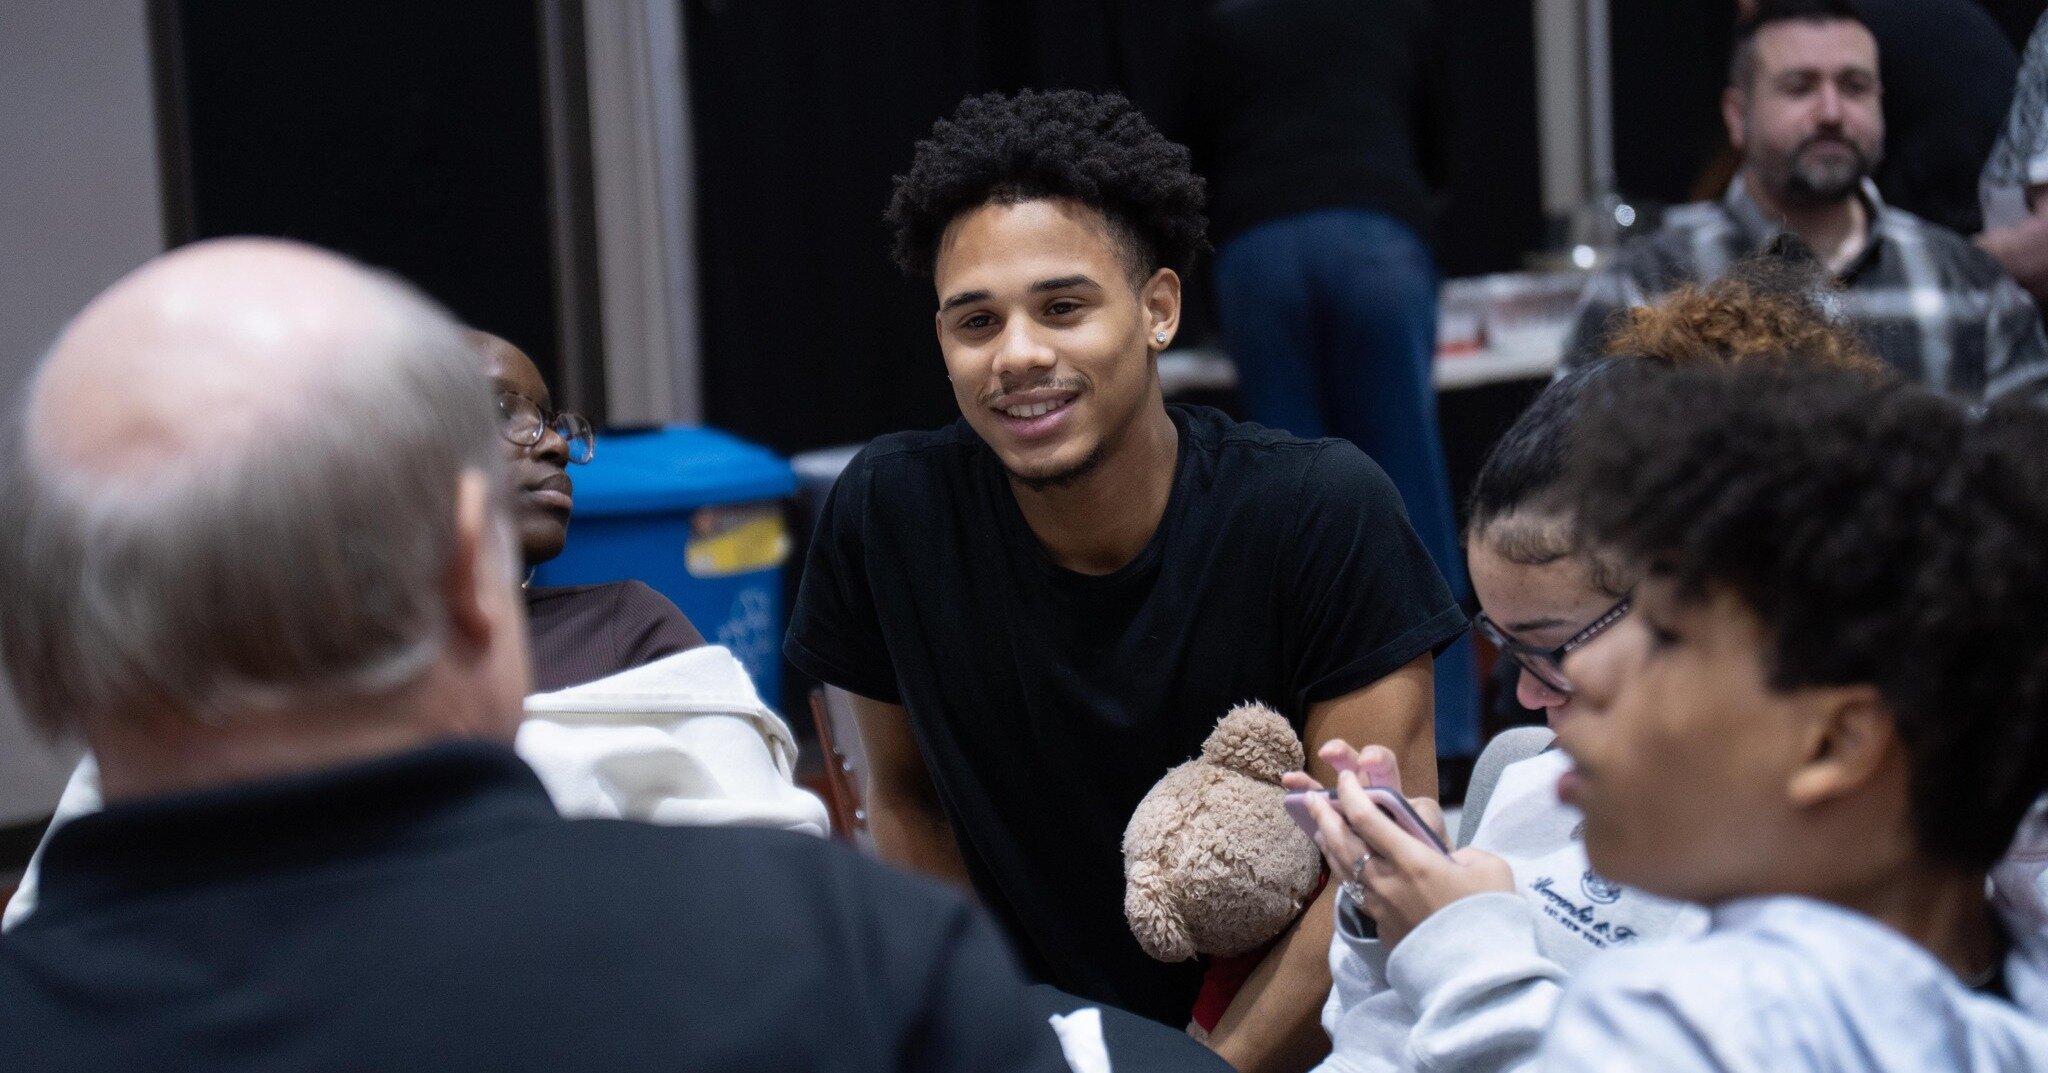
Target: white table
column 1203, row 369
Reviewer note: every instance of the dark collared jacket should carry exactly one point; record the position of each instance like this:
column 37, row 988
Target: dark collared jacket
column 431, row 911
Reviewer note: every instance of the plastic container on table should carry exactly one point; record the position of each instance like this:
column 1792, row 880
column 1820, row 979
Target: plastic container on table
column 696, row 514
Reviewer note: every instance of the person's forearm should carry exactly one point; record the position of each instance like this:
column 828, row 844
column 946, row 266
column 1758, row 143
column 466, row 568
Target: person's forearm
column 1274, row 1024
column 915, row 835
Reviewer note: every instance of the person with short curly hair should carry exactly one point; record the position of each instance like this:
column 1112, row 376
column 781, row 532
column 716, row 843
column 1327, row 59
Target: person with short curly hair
column 1469, row 954
column 1047, row 605
column 1096, row 150
column 1825, row 718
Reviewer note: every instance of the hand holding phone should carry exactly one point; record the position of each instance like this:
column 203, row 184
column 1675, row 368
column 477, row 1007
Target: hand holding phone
column 1400, row 887
column 1391, row 803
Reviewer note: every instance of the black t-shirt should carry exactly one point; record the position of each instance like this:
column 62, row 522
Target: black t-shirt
column 1046, row 703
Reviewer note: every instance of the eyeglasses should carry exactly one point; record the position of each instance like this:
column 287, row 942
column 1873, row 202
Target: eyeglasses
column 1547, row 664
column 524, row 423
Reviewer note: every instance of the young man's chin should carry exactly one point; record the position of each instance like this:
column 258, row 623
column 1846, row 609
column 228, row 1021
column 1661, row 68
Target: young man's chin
column 1050, row 474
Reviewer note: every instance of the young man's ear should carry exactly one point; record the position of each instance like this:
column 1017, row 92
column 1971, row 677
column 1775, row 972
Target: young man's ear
column 1850, row 738
column 1734, row 107
column 1161, row 298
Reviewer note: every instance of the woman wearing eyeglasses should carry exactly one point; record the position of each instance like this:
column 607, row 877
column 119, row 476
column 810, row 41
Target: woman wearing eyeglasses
column 1473, row 949
column 579, row 633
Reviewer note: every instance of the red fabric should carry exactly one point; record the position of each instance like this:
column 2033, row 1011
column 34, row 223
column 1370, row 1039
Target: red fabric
column 1225, row 977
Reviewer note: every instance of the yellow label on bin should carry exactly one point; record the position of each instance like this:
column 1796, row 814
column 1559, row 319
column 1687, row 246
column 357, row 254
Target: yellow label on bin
column 736, row 540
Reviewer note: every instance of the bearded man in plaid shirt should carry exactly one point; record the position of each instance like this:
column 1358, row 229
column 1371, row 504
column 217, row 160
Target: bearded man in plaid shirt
column 1802, row 106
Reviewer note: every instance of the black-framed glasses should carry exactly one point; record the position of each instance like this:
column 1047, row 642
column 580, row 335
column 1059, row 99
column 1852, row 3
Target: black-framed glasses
column 524, row 422
column 1547, row 664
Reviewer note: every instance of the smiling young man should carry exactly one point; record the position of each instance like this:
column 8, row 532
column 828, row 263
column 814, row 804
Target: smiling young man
column 1048, row 604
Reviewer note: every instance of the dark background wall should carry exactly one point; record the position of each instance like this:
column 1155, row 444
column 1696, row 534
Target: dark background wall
column 407, row 134
column 1670, row 64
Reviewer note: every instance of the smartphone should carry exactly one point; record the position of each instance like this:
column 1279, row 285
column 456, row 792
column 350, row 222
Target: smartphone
column 1393, row 804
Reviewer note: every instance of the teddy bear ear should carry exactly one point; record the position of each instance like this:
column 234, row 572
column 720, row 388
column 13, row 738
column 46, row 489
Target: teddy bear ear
column 1153, row 914
column 1255, row 740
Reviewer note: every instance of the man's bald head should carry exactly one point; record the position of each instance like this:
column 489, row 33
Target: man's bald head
column 207, row 348
column 237, row 488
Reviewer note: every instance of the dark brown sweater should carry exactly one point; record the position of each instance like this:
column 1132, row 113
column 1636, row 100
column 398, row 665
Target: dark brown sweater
column 581, row 633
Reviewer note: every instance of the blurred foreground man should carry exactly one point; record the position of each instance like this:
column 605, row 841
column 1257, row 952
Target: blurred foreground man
column 1803, row 108
column 258, row 556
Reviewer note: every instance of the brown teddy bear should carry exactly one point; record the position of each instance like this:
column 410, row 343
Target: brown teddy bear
column 1212, row 862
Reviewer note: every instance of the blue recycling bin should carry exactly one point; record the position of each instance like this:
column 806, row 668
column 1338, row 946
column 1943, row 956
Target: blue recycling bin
column 697, row 515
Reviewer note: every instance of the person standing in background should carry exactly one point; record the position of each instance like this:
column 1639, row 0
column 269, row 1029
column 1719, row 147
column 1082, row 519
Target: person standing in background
column 1948, row 77
column 2015, row 215
column 1317, row 128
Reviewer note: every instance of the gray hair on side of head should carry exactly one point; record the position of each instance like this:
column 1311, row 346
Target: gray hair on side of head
column 307, row 561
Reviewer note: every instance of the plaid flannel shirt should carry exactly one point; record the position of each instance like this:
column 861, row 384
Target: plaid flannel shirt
column 1937, row 308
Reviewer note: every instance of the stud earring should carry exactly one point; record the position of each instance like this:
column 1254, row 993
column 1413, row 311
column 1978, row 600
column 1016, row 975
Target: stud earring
column 1161, row 337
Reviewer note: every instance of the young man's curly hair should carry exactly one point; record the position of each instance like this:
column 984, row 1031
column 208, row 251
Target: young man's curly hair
column 1097, row 149
column 1883, row 535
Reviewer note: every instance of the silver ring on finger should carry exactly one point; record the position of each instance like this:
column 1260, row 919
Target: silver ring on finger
column 1358, row 870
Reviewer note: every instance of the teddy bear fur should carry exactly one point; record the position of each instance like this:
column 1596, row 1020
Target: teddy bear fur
column 1212, row 862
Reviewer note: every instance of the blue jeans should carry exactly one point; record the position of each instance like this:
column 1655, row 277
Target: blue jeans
column 1331, row 318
